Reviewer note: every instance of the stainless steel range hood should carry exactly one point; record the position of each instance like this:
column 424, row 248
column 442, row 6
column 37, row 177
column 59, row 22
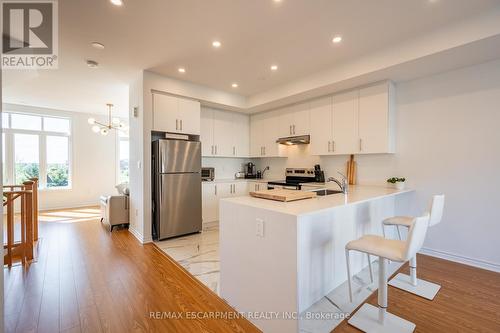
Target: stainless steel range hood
column 295, row 140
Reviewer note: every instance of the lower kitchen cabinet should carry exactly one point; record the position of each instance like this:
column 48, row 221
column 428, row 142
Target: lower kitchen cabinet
column 213, row 192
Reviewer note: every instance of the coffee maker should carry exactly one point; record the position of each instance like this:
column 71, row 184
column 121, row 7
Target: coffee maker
column 319, row 175
column 250, row 172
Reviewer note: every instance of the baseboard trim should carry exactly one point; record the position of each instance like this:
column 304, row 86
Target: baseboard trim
column 136, row 234
column 462, row 259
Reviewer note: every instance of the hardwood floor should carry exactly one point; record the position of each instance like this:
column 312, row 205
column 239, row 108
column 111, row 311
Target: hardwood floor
column 88, row 280
column 469, row 299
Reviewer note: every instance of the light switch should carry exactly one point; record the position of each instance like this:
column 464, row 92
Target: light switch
column 259, row 227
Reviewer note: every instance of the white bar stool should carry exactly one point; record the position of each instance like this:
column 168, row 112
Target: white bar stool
column 369, row 318
column 410, row 282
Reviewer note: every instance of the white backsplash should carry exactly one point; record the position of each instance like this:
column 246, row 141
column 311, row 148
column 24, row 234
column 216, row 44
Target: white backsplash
column 225, row 168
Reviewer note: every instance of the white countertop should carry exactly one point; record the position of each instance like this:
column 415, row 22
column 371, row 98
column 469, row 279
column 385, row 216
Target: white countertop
column 357, row 194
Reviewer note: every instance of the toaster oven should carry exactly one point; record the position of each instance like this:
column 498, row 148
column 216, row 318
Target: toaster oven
column 207, row 174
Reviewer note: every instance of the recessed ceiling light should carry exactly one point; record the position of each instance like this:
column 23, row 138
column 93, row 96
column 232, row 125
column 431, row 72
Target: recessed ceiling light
column 234, row 85
column 97, row 45
column 117, row 2
column 92, row 63
column 181, row 70
column 216, row 44
column 274, row 67
column 337, row 39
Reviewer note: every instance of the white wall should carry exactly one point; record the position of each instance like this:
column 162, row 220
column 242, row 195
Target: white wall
column 448, row 141
column 94, row 163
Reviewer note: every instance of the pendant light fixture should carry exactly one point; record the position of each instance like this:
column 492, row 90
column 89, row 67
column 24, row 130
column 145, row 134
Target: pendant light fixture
column 113, row 124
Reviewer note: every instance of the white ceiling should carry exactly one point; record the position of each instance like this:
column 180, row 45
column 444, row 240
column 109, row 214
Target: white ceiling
column 161, row 35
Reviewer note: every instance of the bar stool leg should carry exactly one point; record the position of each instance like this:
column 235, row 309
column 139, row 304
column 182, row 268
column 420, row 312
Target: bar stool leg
column 399, row 232
column 349, row 283
column 376, row 319
column 412, row 284
column 370, row 265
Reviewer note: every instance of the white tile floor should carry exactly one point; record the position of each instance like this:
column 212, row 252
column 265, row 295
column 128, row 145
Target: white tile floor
column 199, row 254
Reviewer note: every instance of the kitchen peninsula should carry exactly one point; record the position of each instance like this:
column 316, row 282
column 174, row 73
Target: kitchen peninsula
column 282, row 257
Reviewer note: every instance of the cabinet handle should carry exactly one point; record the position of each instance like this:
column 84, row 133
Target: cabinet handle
column 215, row 149
column 215, row 189
column 212, row 149
column 294, row 129
column 234, row 150
column 329, row 142
column 176, row 124
column 333, row 146
column 181, row 124
column 360, row 144
column 290, row 129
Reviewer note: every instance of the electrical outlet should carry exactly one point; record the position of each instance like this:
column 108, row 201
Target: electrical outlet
column 259, row 228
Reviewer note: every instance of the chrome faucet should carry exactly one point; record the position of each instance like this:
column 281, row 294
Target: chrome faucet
column 344, row 186
column 264, row 171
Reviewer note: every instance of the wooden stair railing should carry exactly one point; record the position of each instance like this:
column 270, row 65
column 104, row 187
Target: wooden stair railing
column 27, row 195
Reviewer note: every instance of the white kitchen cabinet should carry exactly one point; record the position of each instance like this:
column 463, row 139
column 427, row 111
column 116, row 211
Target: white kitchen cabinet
column 376, row 118
column 345, row 123
column 321, row 113
column 210, row 202
column 293, row 120
column 257, row 186
column 212, row 193
column 207, row 132
column 225, row 134
column 241, row 137
column 264, row 133
column 175, row 115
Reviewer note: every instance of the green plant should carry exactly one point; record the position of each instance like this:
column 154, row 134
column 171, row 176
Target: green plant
column 395, row 180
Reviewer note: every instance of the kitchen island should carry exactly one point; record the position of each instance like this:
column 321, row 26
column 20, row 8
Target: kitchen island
column 279, row 258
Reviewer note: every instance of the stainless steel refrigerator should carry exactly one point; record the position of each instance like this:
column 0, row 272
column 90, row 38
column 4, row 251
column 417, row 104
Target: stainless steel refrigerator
column 176, row 185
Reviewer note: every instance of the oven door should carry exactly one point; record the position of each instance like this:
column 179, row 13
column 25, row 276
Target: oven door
column 284, row 187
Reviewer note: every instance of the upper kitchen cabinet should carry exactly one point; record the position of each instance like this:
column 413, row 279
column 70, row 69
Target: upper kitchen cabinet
column 224, row 134
column 294, row 120
column 376, row 119
column 345, row 123
column 263, row 134
column 358, row 122
column 175, row 115
column 321, row 113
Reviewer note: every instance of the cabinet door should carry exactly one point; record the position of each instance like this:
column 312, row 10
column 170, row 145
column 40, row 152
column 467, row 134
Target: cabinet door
column 271, row 122
column 223, row 133
column 210, row 206
column 241, row 135
column 165, row 110
column 374, row 119
column 345, row 123
column 207, row 132
column 321, row 126
column 189, row 116
column 224, row 190
column 301, row 119
column 240, row 189
column 283, row 120
column 256, row 135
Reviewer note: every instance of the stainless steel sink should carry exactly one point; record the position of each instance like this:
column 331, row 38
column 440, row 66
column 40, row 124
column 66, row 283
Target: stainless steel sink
column 324, row 192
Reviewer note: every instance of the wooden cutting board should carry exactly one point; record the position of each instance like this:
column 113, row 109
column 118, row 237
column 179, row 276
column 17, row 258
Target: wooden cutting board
column 283, row 195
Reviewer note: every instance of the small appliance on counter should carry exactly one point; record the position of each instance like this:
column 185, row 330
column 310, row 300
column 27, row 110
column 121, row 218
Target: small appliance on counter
column 319, row 175
column 239, row 175
column 250, row 172
column 207, row 174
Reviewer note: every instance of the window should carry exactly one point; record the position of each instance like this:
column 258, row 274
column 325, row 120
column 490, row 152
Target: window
column 123, row 157
column 36, row 146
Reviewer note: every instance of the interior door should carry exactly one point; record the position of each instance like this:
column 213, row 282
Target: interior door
column 345, row 123
column 179, row 204
column 321, row 126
